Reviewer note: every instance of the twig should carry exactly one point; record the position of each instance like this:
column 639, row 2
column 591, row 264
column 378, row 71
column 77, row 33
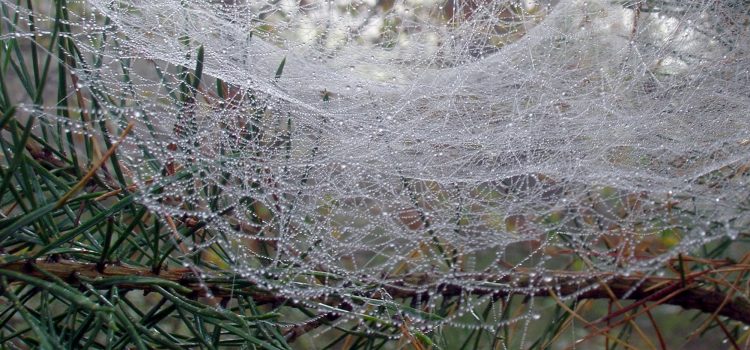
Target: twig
column 94, row 168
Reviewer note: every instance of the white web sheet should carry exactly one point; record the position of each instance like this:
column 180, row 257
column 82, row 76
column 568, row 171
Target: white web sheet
column 423, row 143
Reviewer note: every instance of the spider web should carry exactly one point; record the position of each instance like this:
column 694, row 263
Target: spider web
column 341, row 147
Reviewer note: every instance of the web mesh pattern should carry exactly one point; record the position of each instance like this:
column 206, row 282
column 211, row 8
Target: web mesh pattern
column 429, row 147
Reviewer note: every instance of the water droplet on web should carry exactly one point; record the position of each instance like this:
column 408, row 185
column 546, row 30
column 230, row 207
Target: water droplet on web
column 432, row 153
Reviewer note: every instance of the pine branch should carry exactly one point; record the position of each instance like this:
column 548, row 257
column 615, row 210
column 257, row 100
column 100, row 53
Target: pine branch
column 183, row 280
column 638, row 288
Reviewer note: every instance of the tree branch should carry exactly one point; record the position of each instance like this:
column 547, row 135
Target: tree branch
column 639, row 288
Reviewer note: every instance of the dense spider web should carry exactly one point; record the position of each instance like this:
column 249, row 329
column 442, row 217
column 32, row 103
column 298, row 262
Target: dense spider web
column 349, row 146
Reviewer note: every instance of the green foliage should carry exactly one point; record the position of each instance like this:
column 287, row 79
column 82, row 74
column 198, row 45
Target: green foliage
column 65, row 236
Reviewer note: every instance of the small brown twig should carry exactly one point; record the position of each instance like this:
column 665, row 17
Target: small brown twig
column 85, row 179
